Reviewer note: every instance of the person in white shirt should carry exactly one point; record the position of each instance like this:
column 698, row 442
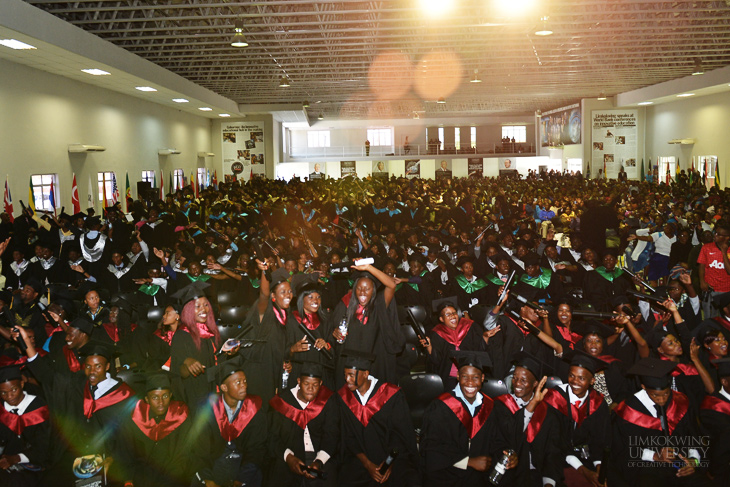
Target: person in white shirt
column 659, row 263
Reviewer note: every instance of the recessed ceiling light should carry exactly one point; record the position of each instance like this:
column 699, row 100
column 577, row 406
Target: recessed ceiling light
column 96, row 72
column 145, row 88
column 645, row 103
column 544, row 30
column 224, row 115
column 685, row 95
column 601, row 96
column 205, row 109
column 15, row 44
column 440, row 101
column 180, row 100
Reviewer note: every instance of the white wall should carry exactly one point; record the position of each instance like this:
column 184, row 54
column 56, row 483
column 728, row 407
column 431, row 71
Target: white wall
column 704, row 118
column 43, row 113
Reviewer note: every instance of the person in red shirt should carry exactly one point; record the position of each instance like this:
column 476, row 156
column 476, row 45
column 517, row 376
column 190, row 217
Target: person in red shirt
column 714, row 267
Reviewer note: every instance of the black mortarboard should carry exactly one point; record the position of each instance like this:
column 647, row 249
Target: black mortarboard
column 702, row 330
column 278, row 276
column 415, row 256
column 620, row 299
column 723, row 366
column 533, row 364
column 721, row 300
column 92, row 222
column 531, row 259
column 655, row 337
column 653, row 372
column 355, row 359
column 35, row 283
column 192, row 291
column 438, row 304
column 611, row 251
column 9, row 373
column 480, row 360
column 305, row 284
column 78, row 215
column 551, row 243
column 228, row 368
column 96, row 348
column 577, row 358
column 158, row 380
column 500, row 256
column 463, row 260
column 360, row 274
column 592, row 327
column 311, row 369
column 83, row 324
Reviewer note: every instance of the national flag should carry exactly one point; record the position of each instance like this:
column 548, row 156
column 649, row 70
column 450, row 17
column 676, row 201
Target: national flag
column 52, row 196
column 171, row 182
column 103, row 191
column 215, row 179
column 588, row 170
column 127, row 193
column 605, row 176
column 90, row 195
column 75, row 203
column 692, row 172
column 115, row 189
column 162, row 185
column 669, row 175
column 717, row 173
column 8, row 200
column 704, row 173
column 31, row 196
column 641, row 177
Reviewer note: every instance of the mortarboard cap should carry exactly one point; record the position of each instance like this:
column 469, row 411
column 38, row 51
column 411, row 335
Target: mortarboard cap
column 278, row 276
column 92, row 222
column 305, row 284
column 655, row 337
column 531, row 259
column 355, row 359
column 721, row 300
column 480, row 360
column 157, row 380
column 83, row 324
column 533, row 364
column 228, row 368
column 653, row 372
column 35, row 283
column 190, row 292
column 365, row 274
column 96, row 348
column 577, row 358
column 723, row 366
column 9, row 373
column 592, row 327
column 311, row 369
column 611, row 251
column 439, row 304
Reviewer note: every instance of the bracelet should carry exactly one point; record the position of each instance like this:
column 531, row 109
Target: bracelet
column 696, row 462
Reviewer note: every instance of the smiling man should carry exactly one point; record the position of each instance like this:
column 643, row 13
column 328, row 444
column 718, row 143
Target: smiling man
column 461, row 438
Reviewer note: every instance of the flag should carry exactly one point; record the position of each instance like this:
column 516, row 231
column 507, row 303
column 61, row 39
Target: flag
column 162, row 185
column 692, row 172
column 75, row 203
column 31, row 196
column 154, row 181
column 641, row 176
column 103, row 192
column 605, row 176
column 704, row 173
column 8, row 201
column 115, row 189
column 669, row 175
column 215, row 179
column 52, row 196
column 90, row 197
column 127, row 193
column 717, row 173
column 171, row 183
column 588, row 170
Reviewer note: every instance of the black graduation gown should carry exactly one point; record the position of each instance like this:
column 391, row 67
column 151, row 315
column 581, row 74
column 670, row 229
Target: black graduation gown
column 375, row 428
column 538, row 445
column 532, row 287
column 444, row 341
column 156, row 454
column 287, row 421
column 216, row 436
column 450, row 434
column 118, row 281
column 465, row 292
column 633, row 423
column 52, row 273
column 13, row 280
column 589, row 425
column 28, row 316
column 511, row 339
column 380, row 335
column 599, row 291
column 195, row 389
column 29, row 434
column 323, row 330
column 715, row 419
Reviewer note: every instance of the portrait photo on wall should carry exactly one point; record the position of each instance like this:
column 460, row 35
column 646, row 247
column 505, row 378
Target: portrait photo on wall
column 607, row 157
column 598, row 146
column 257, row 136
column 257, row 159
column 380, row 169
column 229, row 137
column 443, row 170
column 316, row 170
column 250, row 144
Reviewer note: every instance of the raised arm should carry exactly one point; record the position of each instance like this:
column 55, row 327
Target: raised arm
column 381, row 276
column 264, row 289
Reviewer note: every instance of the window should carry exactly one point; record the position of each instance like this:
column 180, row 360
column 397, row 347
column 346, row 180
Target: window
column 318, row 138
column 665, row 162
column 108, row 193
column 380, row 137
column 178, row 177
column 710, row 162
column 441, row 138
column 517, row 132
column 473, row 137
column 202, row 177
column 149, row 177
column 457, row 138
column 42, row 184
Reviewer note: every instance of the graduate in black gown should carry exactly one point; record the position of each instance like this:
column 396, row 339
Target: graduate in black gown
column 155, row 438
column 650, row 431
column 606, row 282
column 527, row 421
column 461, row 438
column 194, row 345
column 230, row 439
column 25, row 432
column 715, row 419
column 375, row 422
column 304, row 431
column 546, row 285
column 373, row 325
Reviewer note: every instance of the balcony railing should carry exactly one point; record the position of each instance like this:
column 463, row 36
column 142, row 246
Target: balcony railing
column 414, row 151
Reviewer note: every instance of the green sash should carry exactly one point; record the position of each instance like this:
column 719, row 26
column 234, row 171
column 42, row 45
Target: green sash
column 201, row 277
column 609, row 276
column 541, row 282
column 149, row 289
column 470, row 287
column 256, row 283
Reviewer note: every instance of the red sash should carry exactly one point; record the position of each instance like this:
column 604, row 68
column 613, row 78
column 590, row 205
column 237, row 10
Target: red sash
column 71, row 359
column 112, row 331
column 302, row 417
column 537, row 419
column 713, row 403
column 524, row 332
column 682, row 369
column 722, row 321
column 608, row 358
column 203, row 330
column 310, row 321
column 251, row 405
column 18, row 423
column 375, row 402
column 109, row 399
column 455, row 336
column 176, row 414
column 568, row 336
column 560, row 403
column 6, row 361
column 472, row 424
column 675, row 412
column 165, row 336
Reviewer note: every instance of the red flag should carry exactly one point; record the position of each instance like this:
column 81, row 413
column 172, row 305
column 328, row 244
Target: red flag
column 669, row 176
column 75, row 197
column 103, row 189
column 162, row 185
column 704, row 175
column 215, row 179
column 8, row 201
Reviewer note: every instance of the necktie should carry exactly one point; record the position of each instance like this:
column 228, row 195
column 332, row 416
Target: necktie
column 14, row 411
column 93, row 391
column 661, row 416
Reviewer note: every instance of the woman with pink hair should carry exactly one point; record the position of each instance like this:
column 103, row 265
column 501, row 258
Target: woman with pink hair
column 195, row 344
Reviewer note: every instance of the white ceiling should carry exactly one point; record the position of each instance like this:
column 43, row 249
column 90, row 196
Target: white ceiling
column 388, row 60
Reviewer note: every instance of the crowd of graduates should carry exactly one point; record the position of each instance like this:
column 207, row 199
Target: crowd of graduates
column 552, row 330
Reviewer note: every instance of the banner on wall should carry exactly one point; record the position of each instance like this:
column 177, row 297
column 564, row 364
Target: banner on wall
column 476, row 167
column 507, row 164
column 614, row 138
column 243, row 142
column 561, row 126
column 316, row 171
column 443, row 171
column 347, row 169
column 413, row 168
column 380, row 169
